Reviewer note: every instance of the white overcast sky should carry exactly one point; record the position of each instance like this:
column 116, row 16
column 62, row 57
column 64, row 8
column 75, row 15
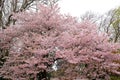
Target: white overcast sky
column 79, row 7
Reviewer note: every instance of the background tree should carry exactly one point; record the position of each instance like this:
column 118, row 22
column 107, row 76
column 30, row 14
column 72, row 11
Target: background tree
column 115, row 24
column 110, row 24
column 90, row 16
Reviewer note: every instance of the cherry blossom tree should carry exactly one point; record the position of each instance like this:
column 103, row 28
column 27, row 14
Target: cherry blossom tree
column 39, row 39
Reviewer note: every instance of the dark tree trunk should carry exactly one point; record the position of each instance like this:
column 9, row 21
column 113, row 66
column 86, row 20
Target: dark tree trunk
column 0, row 13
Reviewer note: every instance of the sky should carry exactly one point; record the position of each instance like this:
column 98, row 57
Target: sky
column 79, row 7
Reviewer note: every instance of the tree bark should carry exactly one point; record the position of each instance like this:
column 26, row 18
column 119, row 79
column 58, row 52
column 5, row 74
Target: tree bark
column 0, row 13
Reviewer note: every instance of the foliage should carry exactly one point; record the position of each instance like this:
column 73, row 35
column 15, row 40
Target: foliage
column 115, row 77
column 113, row 24
column 39, row 39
